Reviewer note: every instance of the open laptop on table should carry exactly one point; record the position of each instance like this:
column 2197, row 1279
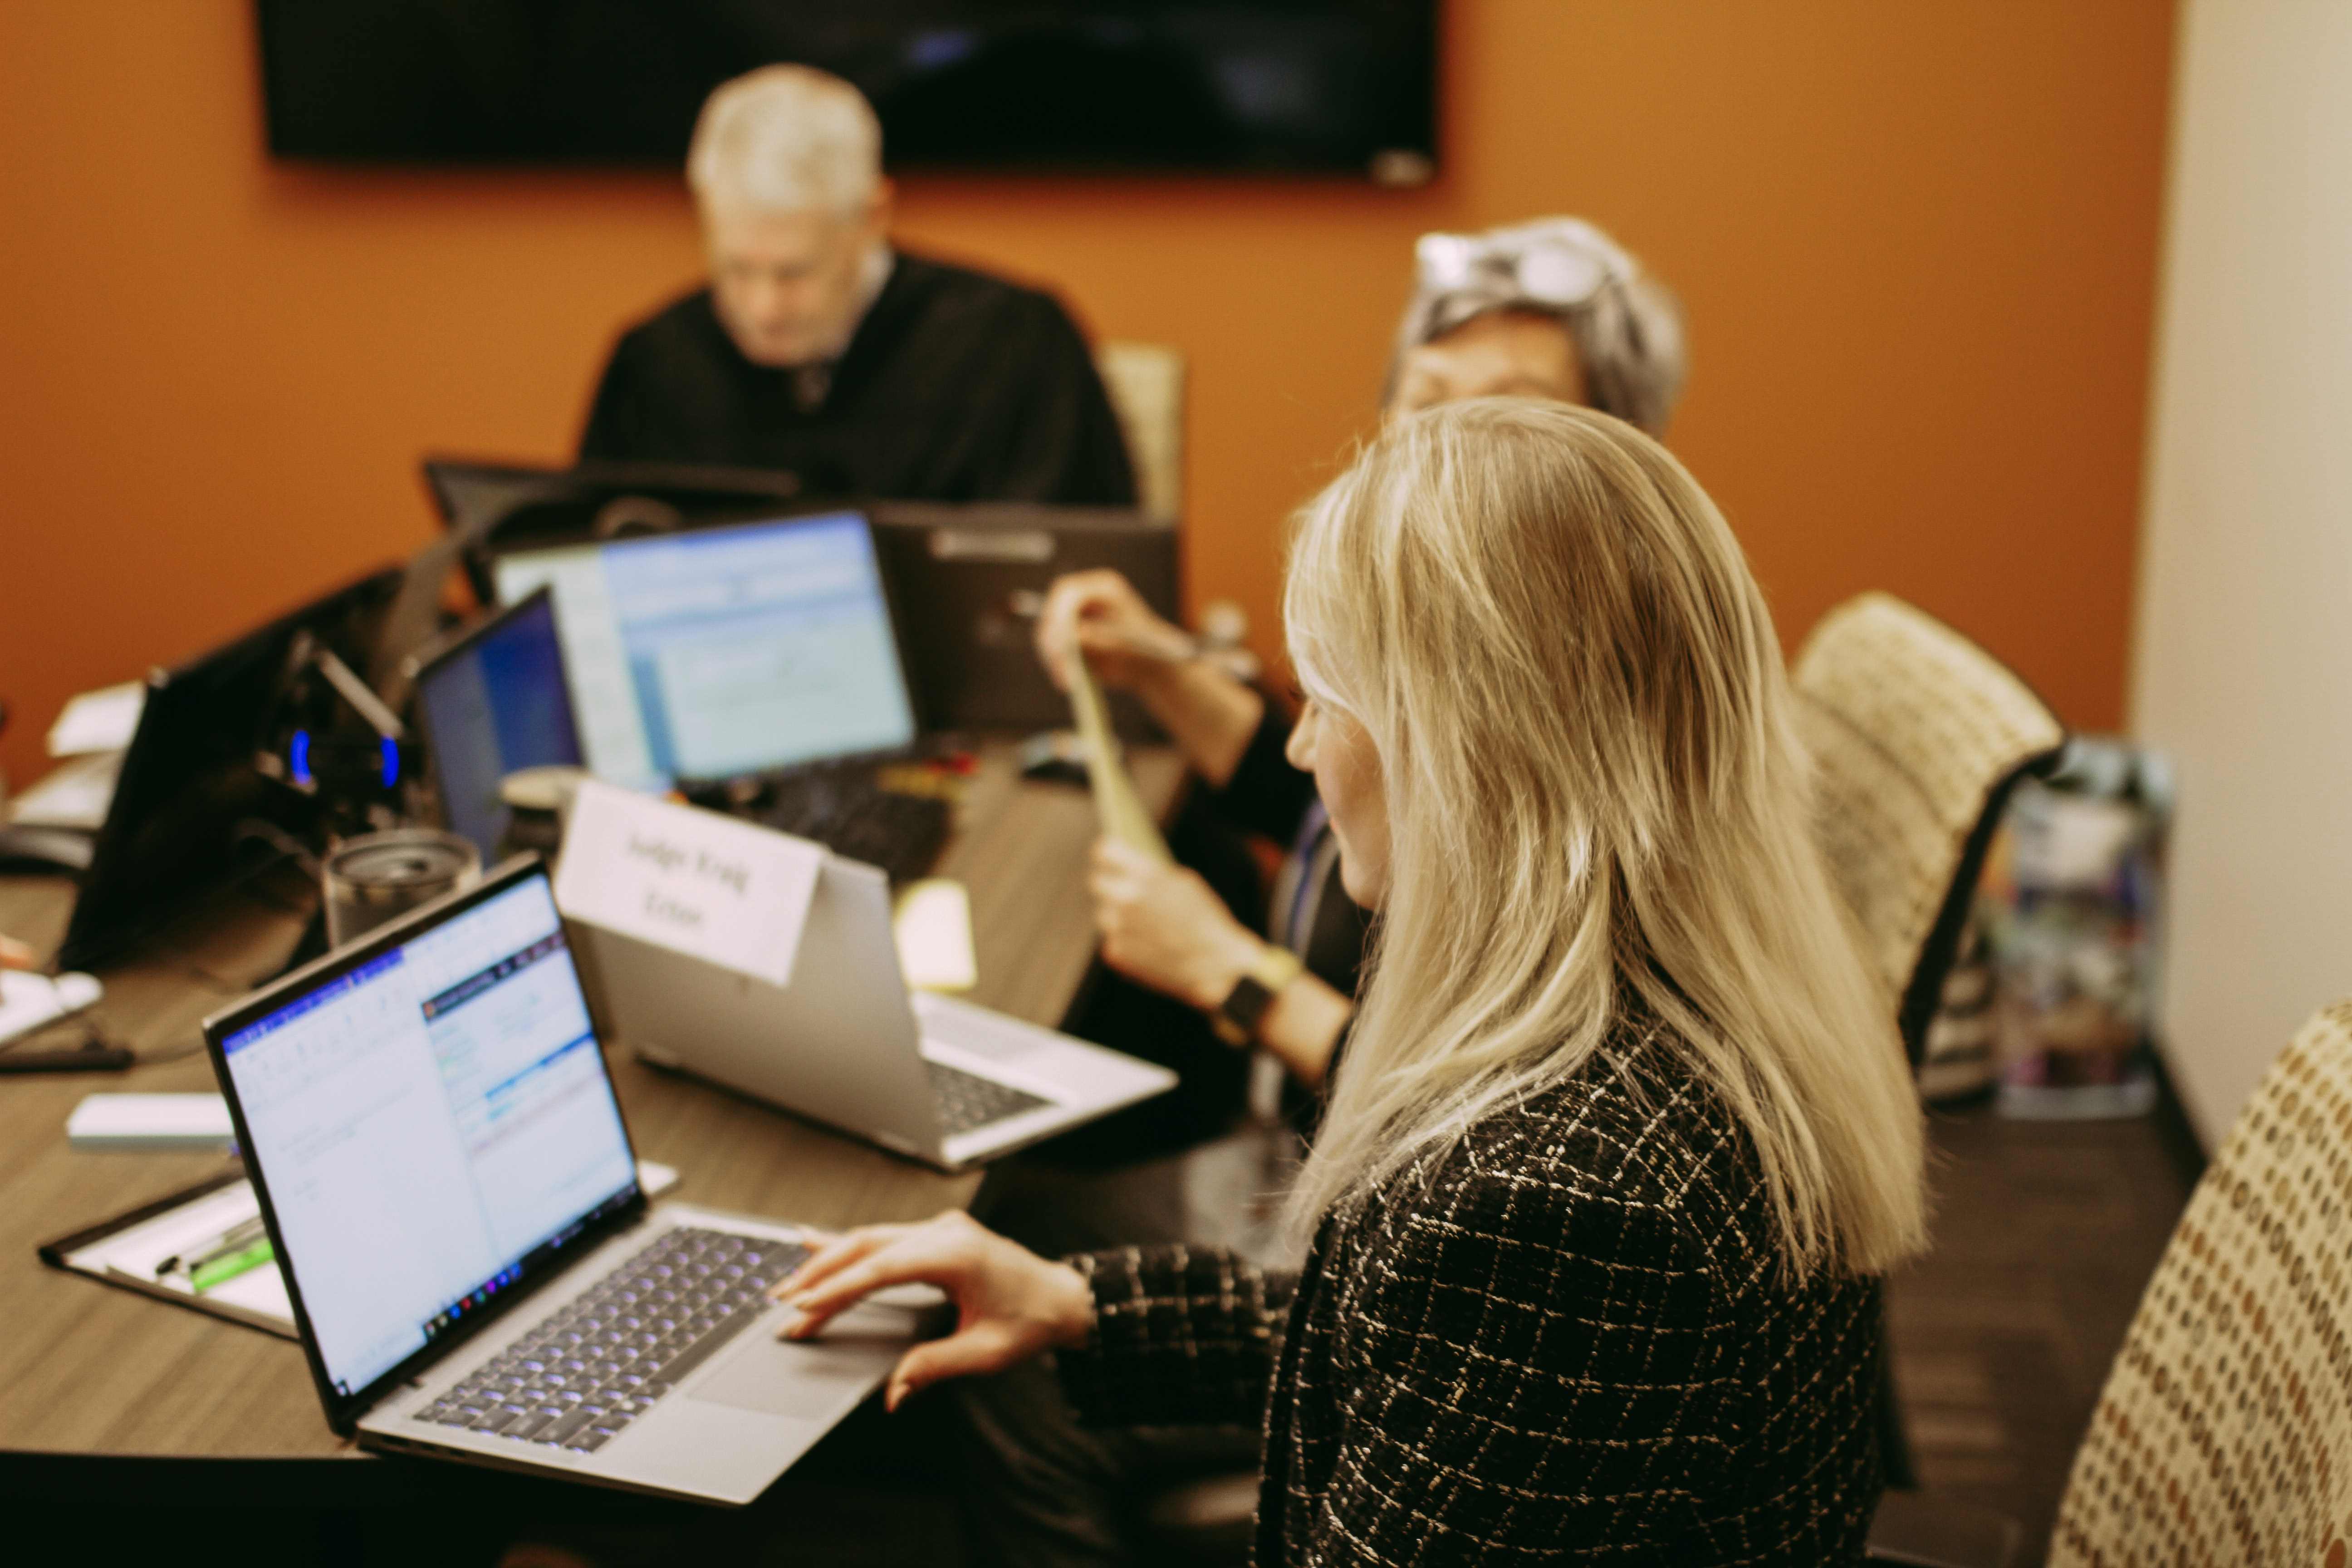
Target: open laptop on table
column 493, row 702
column 225, row 768
column 756, row 666
column 493, row 506
column 451, row 1193
column 845, row 1043
column 968, row 581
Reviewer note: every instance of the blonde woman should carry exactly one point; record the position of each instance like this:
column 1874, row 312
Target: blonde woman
column 1623, row 1137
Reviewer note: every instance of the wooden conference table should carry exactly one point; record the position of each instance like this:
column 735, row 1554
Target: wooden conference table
column 97, row 1383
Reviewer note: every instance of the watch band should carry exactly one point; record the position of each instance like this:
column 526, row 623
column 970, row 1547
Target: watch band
column 1236, row 1017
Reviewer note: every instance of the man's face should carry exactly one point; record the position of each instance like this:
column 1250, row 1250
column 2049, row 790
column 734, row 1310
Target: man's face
column 1503, row 353
column 786, row 284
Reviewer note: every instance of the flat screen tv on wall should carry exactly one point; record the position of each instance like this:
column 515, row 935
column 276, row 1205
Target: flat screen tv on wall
column 1300, row 86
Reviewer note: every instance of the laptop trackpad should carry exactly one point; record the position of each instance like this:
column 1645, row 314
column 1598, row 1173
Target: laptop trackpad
column 786, row 1378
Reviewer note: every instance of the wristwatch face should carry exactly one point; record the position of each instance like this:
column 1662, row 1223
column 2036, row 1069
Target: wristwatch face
column 1246, row 1003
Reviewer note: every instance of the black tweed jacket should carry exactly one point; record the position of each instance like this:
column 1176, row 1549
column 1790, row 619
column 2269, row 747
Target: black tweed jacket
column 1568, row 1338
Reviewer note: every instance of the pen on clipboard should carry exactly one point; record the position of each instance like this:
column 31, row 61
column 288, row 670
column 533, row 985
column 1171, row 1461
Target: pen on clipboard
column 242, row 1248
column 222, row 1267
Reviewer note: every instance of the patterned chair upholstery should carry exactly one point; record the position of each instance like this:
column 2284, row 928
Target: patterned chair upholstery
column 1917, row 736
column 2224, row 1434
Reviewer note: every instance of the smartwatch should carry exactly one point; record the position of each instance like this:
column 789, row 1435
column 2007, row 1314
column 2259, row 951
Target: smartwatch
column 1236, row 1017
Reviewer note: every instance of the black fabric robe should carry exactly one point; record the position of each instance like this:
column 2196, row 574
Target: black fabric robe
column 956, row 387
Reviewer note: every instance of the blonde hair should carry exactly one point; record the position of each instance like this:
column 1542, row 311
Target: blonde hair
column 1595, row 794
column 786, row 139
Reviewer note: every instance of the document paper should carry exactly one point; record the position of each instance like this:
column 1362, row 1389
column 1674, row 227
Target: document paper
column 1122, row 813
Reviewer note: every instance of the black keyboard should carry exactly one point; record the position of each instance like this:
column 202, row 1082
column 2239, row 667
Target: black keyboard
column 968, row 1101
column 579, row 1378
column 851, row 815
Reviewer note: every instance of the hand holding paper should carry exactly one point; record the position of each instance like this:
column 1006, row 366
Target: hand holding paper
column 1100, row 614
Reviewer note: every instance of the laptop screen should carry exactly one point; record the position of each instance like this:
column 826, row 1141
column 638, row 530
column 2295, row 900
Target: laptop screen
column 175, row 828
column 430, row 1127
column 724, row 651
column 495, row 703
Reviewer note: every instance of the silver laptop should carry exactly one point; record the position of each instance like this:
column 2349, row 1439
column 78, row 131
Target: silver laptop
column 943, row 1081
column 448, row 1186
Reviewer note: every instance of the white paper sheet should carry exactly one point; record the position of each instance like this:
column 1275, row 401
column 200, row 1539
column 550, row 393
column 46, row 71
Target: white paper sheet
column 100, row 721
column 74, row 793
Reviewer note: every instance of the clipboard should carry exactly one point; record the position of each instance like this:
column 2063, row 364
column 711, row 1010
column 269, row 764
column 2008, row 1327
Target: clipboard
column 122, row 1251
column 1116, row 802
column 109, row 1252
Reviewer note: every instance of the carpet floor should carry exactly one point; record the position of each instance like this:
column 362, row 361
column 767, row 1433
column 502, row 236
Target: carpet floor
column 2045, row 1233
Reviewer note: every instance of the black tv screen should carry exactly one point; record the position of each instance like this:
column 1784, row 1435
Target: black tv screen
column 1325, row 87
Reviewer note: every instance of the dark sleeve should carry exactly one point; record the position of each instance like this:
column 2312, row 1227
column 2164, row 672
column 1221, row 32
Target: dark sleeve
column 1063, row 444
column 613, row 415
column 1339, row 1054
column 1182, row 1335
column 1266, row 795
column 1548, row 1382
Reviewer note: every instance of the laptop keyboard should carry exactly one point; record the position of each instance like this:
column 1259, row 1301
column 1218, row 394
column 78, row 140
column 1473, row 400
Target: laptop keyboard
column 579, row 1378
column 968, row 1101
column 855, row 817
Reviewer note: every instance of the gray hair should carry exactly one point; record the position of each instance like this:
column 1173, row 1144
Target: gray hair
column 1627, row 325
column 786, row 139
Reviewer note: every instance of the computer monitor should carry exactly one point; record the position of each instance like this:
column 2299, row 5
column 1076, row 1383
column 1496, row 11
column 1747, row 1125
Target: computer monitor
column 492, row 701
column 222, row 768
column 726, row 651
column 968, row 579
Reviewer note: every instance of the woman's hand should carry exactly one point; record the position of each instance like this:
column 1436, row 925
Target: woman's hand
column 1099, row 617
column 1011, row 1304
column 15, row 955
column 1100, row 614
column 1160, row 924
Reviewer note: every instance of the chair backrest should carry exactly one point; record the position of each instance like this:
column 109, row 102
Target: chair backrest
column 2224, row 1434
column 1146, row 383
column 1917, row 735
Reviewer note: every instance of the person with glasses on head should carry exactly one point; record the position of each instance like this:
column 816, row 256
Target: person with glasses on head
column 1624, row 1138
column 1553, row 310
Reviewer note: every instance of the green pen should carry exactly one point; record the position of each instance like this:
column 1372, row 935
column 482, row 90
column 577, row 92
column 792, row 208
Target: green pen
column 228, row 1266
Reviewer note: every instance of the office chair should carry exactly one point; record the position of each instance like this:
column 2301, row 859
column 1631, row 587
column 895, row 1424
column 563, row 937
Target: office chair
column 2224, row 1433
column 1146, row 383
column 1917, row 737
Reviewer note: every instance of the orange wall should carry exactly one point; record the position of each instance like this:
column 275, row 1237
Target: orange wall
column 1916, row 243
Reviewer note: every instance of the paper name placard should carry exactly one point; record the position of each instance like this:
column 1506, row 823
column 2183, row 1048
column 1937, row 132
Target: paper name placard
column 692, row 881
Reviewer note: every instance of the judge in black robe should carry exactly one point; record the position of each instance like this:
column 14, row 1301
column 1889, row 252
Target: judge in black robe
column 954, row 386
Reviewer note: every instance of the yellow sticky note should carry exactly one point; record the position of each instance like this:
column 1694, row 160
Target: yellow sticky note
column 933, row 925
